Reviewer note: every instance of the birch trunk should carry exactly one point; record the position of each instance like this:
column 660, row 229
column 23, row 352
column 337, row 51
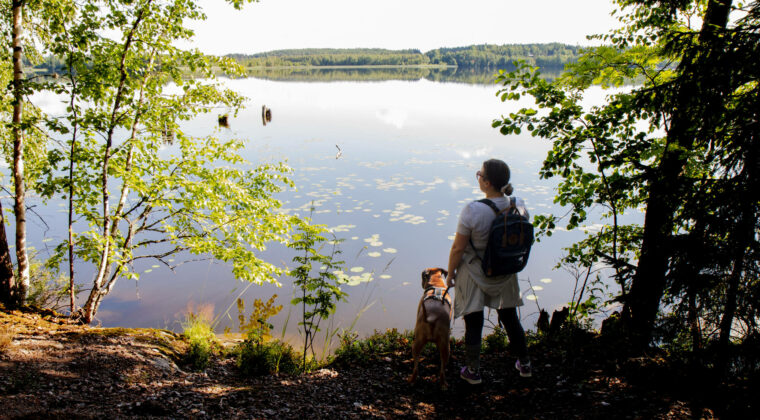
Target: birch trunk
column 19, row 207
column 7, row 280
column 104, row 269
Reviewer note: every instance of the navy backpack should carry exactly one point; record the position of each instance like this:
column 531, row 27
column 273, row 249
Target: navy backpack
column 509, row 240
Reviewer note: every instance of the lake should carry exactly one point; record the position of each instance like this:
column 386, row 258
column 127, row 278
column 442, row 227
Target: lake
column 409, row 153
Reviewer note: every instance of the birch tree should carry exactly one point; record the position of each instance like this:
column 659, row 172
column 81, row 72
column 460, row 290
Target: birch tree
column 22, row 283
column 139, row 187
column 128, row 97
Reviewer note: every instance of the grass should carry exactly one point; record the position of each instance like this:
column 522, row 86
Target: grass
column 202, row 340
column 6, row 337
column 353, row 350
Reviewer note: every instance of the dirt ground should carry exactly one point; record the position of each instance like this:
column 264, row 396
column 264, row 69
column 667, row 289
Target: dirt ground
column 52, row 369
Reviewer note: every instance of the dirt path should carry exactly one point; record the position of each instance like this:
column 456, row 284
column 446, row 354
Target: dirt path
column 52, row 369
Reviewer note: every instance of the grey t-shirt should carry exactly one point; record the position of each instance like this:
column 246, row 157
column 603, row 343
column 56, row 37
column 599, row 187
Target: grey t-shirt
column 475, row 219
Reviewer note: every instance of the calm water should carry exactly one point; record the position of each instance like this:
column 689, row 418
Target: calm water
column 410, row 150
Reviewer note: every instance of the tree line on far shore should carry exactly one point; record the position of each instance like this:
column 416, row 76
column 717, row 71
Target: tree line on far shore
column 487, row 57
column 477, row 57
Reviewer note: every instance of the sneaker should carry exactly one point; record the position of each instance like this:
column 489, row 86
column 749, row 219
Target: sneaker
column 525, row 369
column 469, row 376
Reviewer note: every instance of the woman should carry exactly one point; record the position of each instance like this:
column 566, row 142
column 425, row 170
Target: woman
column 474, row 290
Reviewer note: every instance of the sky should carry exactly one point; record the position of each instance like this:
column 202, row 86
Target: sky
column 396, row 24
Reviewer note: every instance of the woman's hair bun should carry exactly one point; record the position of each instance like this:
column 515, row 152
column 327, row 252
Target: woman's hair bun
column 507, row 189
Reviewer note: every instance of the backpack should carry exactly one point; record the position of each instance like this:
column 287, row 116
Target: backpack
column 509, row 240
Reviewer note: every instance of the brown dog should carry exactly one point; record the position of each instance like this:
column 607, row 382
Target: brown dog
column 433, row 320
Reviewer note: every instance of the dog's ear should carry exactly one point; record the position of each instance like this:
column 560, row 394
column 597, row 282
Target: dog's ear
column 445, row 273
column 425, row 277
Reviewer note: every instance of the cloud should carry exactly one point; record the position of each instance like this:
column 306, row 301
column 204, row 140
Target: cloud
column 393, row 117
column 469, row 154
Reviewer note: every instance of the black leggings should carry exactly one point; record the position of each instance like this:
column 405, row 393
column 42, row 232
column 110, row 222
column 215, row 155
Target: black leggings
column 473, row 329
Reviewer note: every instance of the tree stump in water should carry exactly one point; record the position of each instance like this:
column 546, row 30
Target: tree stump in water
column 558, row 319
column 266, row 115
column 223, row 122
column 542, row 325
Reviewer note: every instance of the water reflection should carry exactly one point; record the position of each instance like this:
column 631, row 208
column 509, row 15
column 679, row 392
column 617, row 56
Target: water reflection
column 376, row 74
column 406, row 155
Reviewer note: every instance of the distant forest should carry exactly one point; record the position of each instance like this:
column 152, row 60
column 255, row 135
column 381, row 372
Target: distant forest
column 474, row 57
column 482, row 57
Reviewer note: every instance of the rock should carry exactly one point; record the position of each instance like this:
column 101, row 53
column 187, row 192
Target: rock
column 165, row 365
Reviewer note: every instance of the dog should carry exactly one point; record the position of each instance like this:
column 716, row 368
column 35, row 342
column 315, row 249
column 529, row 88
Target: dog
column 433, row 320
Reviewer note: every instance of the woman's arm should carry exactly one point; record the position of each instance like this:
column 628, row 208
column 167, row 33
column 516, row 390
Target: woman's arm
column 455, row 256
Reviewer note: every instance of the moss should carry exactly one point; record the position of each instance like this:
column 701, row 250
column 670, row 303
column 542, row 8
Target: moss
column 166, row 342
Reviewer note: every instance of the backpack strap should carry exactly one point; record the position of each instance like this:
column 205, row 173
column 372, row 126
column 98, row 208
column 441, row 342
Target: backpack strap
column 495, row 209
column 519, row 209
column 490, row 204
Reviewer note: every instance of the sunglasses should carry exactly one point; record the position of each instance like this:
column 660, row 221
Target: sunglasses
column 479, row 175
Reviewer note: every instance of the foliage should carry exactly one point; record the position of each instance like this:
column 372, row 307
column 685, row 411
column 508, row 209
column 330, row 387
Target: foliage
column 257, row 328
column 6, row 337
column 258, row 355
column 332, row 57
column 350, row 350
column 200, row 335
column 320, row 292
column 48, row 288
column 143, row 187
column 267, row 358
column 475, row 56
column 502, row 56
column 496, row 342
column 679, row 145
column 355, row 351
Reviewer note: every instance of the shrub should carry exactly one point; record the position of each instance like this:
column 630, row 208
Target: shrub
column 496, row 342
column 258, row 355
column 354, row 351
column 202, row 340
column 257, row 359
column 48, row 288
column 350, row 349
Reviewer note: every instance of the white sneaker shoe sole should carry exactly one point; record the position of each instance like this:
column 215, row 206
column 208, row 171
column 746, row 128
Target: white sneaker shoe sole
column 524, row 375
